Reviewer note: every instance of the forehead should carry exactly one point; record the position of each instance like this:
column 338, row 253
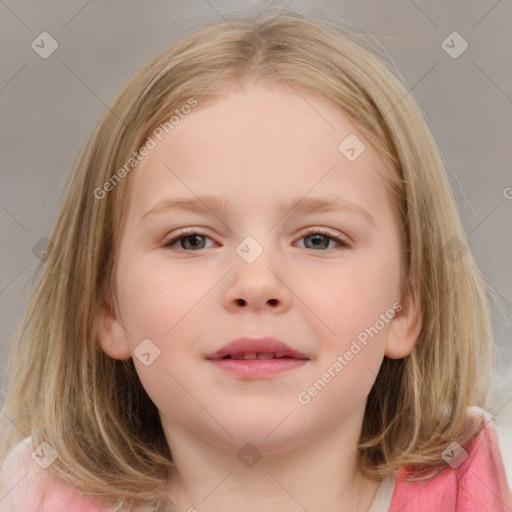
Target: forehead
column 261, row 143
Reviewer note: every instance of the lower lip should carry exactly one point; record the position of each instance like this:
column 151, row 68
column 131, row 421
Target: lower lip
column 258, row 368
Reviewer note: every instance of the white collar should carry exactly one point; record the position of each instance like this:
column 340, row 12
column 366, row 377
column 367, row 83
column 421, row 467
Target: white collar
column 384, row 495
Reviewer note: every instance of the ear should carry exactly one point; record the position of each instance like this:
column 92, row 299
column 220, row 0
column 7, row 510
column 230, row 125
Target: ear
column 111, row 333
column 404, row 328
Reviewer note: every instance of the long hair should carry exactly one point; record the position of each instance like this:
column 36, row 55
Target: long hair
column 93, row 410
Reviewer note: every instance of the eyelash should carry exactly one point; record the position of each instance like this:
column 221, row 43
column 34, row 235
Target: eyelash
column 314, row 231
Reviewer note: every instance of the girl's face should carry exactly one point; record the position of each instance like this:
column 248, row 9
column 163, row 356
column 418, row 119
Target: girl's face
column 256, row 267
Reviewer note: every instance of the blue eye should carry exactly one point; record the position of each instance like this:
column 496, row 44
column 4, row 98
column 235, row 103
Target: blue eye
column 184, row 236
column 320, row 238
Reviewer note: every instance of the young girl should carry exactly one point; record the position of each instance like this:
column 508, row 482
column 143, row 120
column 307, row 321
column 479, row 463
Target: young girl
column 323, row 342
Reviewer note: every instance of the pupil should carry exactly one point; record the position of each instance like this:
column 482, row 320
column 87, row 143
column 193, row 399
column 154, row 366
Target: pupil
column 317, row 240
column 196, row 238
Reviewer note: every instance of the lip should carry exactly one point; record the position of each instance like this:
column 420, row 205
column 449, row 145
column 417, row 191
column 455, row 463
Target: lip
column 262, row 346
column 289, row 358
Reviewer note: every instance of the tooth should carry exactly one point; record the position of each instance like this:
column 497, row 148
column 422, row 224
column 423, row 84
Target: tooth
column 280, row 354
column 237, row 356
column 268, row 355
column 250, row 356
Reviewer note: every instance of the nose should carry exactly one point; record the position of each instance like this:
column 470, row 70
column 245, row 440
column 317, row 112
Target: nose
column 259, row 285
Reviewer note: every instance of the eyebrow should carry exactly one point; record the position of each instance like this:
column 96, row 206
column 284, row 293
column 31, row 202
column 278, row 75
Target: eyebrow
column 296, row 206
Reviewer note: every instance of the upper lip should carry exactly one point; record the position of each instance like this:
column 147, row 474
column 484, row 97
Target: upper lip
column 257, row 346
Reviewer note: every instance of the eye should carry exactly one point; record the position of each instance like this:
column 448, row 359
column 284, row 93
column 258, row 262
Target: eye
column 321, row 238
column 194, row 240
column 187, row 235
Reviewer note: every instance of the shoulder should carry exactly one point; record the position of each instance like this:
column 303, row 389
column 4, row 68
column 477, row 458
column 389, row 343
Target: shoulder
column 17, row 479
column 27, row 483
column 474, row 478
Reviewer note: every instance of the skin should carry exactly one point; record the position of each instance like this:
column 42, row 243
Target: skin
column 257, row 146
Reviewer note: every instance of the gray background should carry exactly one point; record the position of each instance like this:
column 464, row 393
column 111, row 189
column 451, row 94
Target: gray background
column 49, row 107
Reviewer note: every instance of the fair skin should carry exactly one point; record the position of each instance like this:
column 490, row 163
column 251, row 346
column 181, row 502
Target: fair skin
column 259, row 146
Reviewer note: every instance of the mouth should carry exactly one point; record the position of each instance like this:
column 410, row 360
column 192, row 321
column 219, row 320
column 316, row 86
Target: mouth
column 257, row 369
column 248, row 358
column 250, row 348
column 259, row 355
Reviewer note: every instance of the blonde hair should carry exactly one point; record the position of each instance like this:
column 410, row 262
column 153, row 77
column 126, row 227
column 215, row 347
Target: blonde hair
column 65, row 390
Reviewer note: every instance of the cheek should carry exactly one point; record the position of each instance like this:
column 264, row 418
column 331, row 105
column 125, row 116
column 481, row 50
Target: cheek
column 353, row 297
column 356, row 306
column 155, row 301
column 357, row 311
column 165, row 307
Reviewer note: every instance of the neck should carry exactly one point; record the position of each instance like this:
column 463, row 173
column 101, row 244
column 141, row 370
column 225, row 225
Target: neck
column 318, row 474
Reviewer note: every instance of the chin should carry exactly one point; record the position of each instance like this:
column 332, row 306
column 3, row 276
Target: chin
column 269, row 435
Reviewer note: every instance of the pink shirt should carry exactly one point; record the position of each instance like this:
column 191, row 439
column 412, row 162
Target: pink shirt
column 477, row 484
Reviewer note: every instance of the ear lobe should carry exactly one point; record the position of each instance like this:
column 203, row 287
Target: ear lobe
column 111, row 333
column 404, row 329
